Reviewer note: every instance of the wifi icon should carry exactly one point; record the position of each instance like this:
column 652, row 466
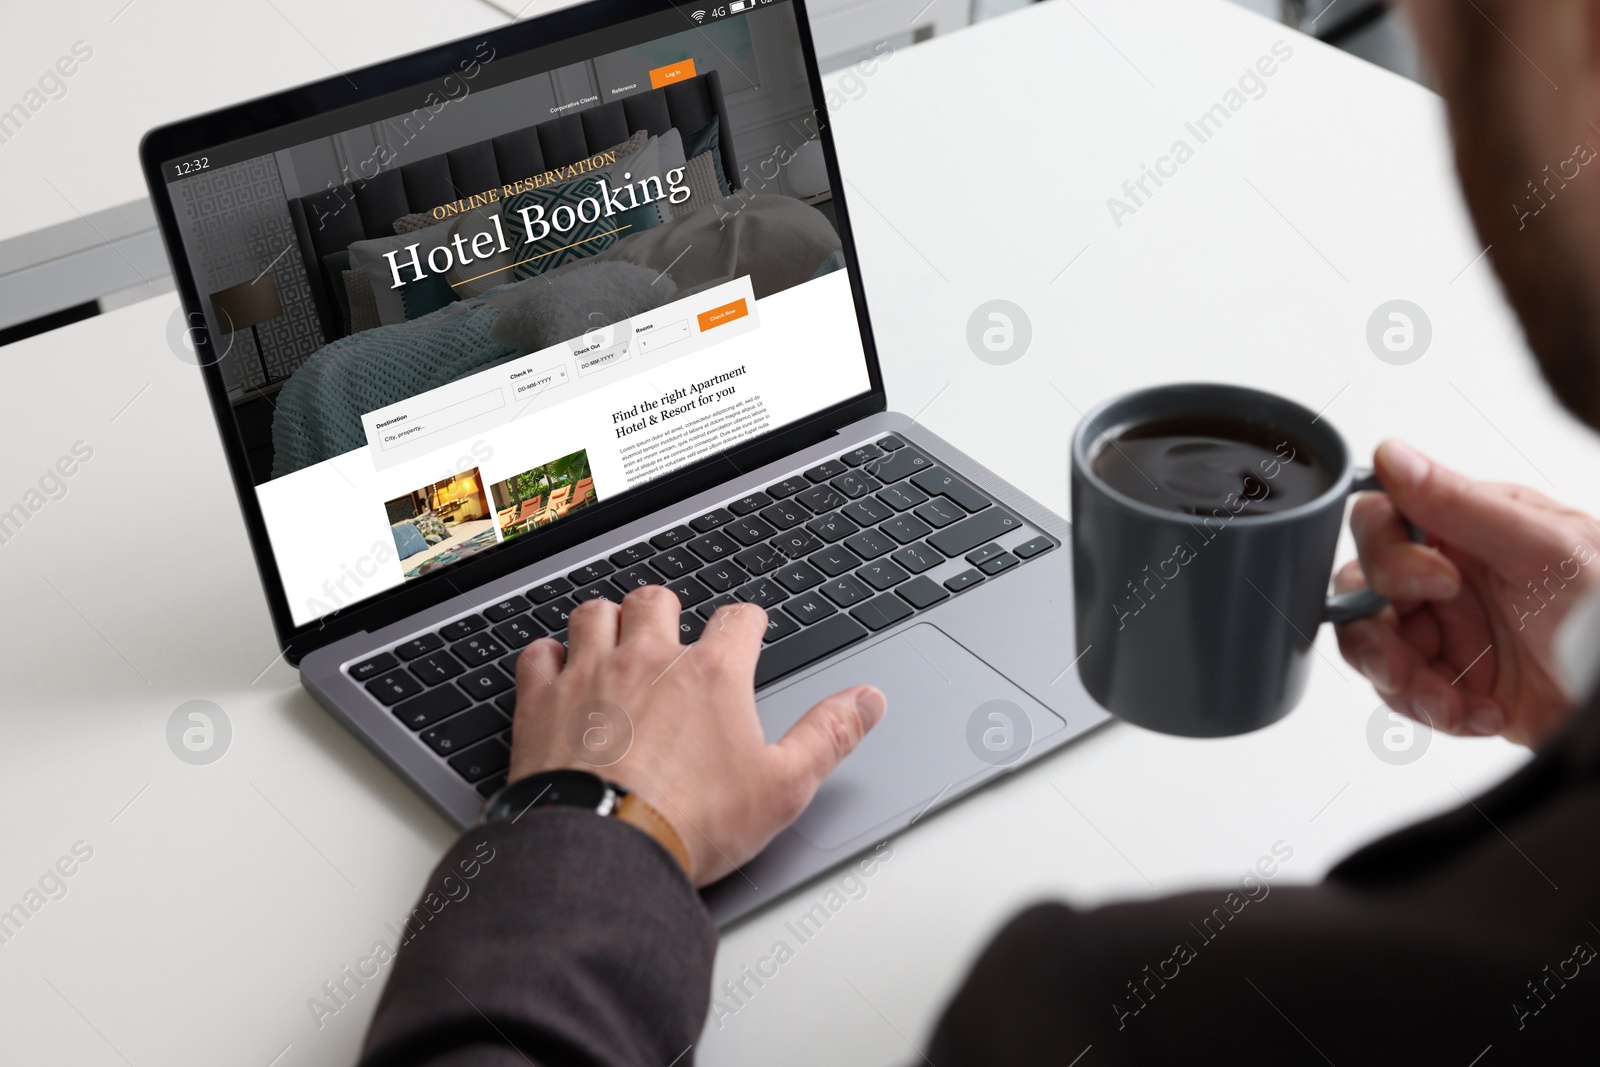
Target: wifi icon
column 699, row 16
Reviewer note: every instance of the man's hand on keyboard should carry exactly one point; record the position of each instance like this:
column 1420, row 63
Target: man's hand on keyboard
column 677, row 723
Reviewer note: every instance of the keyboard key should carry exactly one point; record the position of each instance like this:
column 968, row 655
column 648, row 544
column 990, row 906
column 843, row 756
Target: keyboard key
column 759, row 559
column 968, row 534
column 834, row 561
column 832, row 528
column 393, row 687
column 507, row 703
column 902, row 497
column 429, row 708
column 906, row 528
column 822, row 498
column 548, row 591
column 670, row 538
column 855, row 485
column 922, row 593
column 798, row 577
column 882, row 574
column 810, row 608
column 636, row 576
column 418, row 646
column 901, row 463
column 598, row 590
column 940, row 512
column 861, row 455
column 917, row 558
column 591, row 572
column 983, row 555
column 553, row 616
column 749, row 531
column 890, row 443
column 807, row 647
column 510, row 606
column 714, row 546
column 784, row 515
column 709, row 608
column 868, row 511
column 519, row 632
column 779, row 626
column 482, row 760
column 822, row 472
column 711, row 520
column 676, row 563
column 940, row 481
column 845, row 591
column 509, row 663
column 485, row 682
column 797, row 543
column 1037, row 547
column 721, row 577
column 370, row 669
column 690, row 592
column 963, row 581
column 634, row 554
column 881, row 612
column 787, row 488
column 436, row 667
column 870, row 544
column 491, row 785
column 455, row 631
column 479, row 649
column 747, row 505
column 465, row 730
column 764, row 593
column 690, row 627
column 1003, row 562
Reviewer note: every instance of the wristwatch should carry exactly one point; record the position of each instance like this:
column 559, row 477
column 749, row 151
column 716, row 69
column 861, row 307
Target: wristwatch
column 587, row 792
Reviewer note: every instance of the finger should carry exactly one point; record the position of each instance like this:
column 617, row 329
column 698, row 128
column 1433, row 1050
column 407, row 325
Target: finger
column 539, row 664
column 649, row 616
column 592, row 630
column 1509, row 532
column 1375, row 648
column 735, row 633
column 825, row 735
column 1391, row 562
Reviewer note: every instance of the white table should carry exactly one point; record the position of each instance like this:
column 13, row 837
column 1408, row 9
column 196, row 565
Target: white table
column 220, row 898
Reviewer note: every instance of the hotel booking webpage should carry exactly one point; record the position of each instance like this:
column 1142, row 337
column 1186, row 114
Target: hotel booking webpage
column 453, row 317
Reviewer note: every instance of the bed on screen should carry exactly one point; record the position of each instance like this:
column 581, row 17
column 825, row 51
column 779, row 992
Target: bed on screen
column 517, row 288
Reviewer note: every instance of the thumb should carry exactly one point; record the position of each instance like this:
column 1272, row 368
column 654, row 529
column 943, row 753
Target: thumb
column 1481, row 519
column 827, row 734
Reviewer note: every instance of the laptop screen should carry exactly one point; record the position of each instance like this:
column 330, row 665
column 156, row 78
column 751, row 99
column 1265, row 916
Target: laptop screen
column 459, row 314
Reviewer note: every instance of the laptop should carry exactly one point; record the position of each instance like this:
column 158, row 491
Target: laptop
column 571, row 307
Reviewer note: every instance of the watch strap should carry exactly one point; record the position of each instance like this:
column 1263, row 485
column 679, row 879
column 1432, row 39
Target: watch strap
column 635, row 811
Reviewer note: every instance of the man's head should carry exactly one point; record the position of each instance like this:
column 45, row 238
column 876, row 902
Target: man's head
column 1522, row 81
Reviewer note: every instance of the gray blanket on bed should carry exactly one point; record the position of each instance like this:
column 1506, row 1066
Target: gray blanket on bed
column 776, row 240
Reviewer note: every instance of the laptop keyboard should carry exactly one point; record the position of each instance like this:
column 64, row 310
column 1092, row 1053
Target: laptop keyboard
column 834, row 554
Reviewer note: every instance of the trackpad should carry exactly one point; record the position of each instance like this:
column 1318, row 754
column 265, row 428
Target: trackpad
column 952, row 720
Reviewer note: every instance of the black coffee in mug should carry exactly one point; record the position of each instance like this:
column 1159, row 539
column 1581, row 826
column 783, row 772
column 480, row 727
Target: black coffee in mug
column 1198, row 464
column 1204, row 524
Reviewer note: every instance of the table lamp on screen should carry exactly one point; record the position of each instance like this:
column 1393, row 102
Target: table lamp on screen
column 250, row 304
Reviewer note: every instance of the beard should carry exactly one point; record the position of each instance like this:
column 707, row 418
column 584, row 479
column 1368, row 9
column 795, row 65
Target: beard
column 1547, row 262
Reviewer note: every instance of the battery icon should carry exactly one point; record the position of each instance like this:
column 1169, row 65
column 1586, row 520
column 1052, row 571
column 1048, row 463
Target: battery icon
column 740, row 5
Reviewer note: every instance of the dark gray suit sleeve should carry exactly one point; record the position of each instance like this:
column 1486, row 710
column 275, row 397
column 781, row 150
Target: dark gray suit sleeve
column 563, row 939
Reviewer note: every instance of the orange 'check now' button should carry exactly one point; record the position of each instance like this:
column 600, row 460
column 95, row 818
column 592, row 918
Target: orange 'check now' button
column 676, row 73
column 726, row 313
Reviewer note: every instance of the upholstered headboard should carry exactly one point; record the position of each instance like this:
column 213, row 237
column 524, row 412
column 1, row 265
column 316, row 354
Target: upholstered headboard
column 333, row 220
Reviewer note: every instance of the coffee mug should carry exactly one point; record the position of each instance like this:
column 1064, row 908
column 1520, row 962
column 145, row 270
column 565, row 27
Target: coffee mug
column 1201, row 624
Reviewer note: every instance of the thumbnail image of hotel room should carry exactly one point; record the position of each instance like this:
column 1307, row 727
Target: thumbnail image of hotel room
column 441, row 524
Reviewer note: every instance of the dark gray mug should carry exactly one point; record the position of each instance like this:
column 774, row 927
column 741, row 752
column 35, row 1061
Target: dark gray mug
column 1202, row 627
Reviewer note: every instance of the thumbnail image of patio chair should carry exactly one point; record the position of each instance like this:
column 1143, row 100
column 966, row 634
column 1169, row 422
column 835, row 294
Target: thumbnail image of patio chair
column 560, row 502
column 506, row 518
column 583, row 492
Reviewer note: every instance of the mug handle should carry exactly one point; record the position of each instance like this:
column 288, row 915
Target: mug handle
column 1359, row 603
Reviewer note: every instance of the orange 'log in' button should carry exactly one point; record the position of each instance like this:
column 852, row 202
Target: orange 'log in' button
column 726, row 313
column 678, row 72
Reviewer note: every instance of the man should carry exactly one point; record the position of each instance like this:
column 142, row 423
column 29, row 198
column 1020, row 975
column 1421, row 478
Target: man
column 1468, row 939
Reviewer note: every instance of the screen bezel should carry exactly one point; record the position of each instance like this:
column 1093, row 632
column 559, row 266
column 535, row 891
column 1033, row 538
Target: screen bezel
column 209, row 131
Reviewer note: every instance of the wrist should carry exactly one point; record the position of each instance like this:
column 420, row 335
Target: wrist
column 585, row 791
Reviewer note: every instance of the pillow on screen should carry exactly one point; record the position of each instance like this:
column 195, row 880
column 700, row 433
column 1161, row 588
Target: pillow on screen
column 363, row 308
column 708, row 138
column 470, row 280
column 369, row 257
column 414, row 223
column 700, row 175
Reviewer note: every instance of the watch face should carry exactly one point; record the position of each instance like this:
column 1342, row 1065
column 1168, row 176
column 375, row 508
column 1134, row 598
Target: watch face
column 569, row 789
